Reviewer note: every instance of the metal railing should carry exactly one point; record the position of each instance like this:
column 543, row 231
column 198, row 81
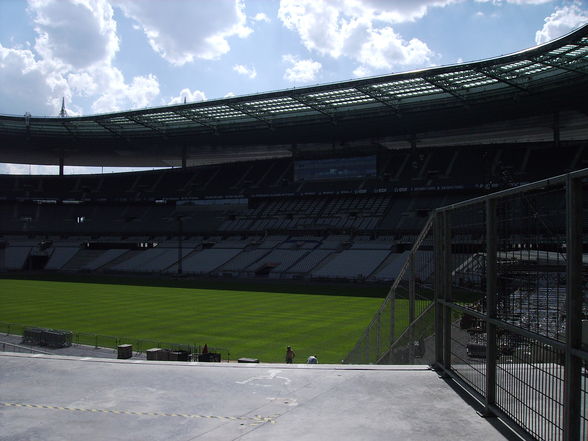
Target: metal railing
column 509, row 303
column 400, row 331
column 11, row 347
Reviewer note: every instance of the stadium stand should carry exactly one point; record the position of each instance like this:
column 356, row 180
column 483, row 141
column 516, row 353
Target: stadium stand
column 311, row 208
column 60, row 256
column 351, row 264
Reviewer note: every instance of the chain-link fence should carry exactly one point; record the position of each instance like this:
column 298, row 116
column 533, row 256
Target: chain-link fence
column 401, row 331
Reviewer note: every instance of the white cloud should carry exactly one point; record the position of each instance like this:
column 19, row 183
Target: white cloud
column 79, row 33
column 39, row 90
column 562, row 21
column 260, row 16
column 82, row 84
column 189, row 96
column 181, row 31
column 300, row 71
column 384, row 48
column 362, row 71
column 515, row 2
column 75, row 48
column 360, row 30
column 119, row 95
column 244, row 70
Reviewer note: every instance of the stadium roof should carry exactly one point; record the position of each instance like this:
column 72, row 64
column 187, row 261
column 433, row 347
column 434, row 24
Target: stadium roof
column 545, row 79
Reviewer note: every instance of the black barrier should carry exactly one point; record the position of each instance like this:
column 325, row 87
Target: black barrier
column 211, row 357
column 179, row 356
column 125, row 352
column 52, row 338
column 32, row 336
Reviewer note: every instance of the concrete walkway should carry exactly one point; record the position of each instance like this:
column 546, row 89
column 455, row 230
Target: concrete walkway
column 50, row 398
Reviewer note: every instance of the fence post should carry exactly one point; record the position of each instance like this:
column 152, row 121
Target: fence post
column 392, row 317
column 572, row 375
column 446, row 283
column 411, row 304
column 378, row 335
column 438, row 289
column 491, row 344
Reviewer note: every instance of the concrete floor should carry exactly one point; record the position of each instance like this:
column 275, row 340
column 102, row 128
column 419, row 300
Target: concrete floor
column 50, row 398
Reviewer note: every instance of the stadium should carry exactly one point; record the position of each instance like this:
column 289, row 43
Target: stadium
column 450, row 199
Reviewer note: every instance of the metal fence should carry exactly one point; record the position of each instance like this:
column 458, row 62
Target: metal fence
column 401, row 331
column 508, row 282
column 11, row 347
column 140, row 345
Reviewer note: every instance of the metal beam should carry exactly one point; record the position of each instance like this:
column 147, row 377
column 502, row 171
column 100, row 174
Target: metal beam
column 315, row 105
column 243, row 108
column 140, row 120
column 117, row 132
column 562, row 66
column 381, row 98
column 197, row 117
column 491, row 279
column 574, row 297
column 495, row 76
column 445, row 87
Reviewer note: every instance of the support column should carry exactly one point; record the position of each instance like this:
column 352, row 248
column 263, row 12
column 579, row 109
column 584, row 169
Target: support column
column 556, row 126
column 392, row 335
column 61, row 161
column 438, row 289
column 184, row 156
column 180, row 238
column 491, row 343
column 446, row 280
column 442, row 291
column 411, row 304
column 573, row 374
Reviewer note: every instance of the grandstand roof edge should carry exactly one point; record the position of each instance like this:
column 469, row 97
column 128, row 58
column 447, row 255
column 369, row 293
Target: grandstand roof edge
column 580, row 32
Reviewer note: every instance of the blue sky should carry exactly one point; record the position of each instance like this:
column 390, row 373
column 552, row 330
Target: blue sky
column 111, row 55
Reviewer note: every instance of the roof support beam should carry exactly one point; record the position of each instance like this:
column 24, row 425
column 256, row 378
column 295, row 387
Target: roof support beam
column 445, row 87
column 382, row 98
column 243, row 108
column 497, row 77
column 111, row 130
column 197, row 117
column 69, row 130
column 315, row 105
column 561, row 66
column 140, row 120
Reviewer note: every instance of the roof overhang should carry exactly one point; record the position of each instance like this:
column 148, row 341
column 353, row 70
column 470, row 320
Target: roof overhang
column 530, row 86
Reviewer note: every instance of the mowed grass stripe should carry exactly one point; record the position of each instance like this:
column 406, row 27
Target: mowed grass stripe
column 248, row 323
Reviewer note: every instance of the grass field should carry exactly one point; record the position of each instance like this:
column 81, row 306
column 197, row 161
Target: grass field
column 249, row 323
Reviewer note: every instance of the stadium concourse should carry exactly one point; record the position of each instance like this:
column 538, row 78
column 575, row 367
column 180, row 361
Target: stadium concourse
column 62, row 398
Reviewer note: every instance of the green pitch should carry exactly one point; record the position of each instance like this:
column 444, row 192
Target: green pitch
column 252, row 324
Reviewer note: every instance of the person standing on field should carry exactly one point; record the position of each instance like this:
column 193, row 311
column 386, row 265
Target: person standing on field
column 290, row 354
